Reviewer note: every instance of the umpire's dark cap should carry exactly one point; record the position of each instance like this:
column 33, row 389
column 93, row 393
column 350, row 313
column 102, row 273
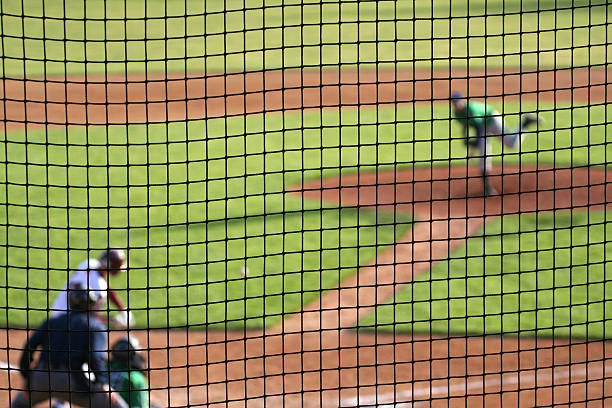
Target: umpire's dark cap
column 82, row 300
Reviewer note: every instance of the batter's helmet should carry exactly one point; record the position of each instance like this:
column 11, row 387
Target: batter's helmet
column 127, row 350
column 112, row 259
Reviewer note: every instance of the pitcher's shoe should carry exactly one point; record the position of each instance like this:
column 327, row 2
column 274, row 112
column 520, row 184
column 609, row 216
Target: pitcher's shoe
column 489, row 191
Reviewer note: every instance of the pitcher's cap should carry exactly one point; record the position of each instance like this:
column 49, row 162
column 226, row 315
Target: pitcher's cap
column 456, row 96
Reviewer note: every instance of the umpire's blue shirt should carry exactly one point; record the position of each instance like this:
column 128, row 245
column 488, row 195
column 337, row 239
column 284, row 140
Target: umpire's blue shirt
column 69, row 340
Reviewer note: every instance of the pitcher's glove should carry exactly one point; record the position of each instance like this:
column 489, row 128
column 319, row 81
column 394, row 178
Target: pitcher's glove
column 471, row 142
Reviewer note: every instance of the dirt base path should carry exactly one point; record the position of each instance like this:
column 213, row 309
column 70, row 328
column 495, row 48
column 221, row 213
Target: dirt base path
column 98, row 100
column 349, row 369
column 312, row 359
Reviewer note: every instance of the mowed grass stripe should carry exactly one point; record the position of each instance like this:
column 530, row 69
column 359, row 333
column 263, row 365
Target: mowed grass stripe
column 50, row 37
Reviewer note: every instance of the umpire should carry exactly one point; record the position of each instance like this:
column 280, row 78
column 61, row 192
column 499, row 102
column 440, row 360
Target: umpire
column 67, row 342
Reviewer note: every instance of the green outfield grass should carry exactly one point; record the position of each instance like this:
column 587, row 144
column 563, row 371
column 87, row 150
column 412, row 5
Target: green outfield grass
column 195, row 202
column 191, row 274
column 52, row 37
column 542, row 275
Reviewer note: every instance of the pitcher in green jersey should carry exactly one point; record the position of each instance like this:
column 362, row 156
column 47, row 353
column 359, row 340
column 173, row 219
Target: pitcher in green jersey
column 487, row 123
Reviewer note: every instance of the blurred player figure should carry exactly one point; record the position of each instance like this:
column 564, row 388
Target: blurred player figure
column 127, row 372
column 66, row 343
column 92, row 274
column 487, row 123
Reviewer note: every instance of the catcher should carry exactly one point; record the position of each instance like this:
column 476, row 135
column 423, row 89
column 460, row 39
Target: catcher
column 487, row 122
column 127, row 367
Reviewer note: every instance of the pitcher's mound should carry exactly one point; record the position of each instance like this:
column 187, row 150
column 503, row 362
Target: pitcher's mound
column 439, row 189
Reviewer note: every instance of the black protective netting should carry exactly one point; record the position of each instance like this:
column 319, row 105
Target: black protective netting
column 356, row 203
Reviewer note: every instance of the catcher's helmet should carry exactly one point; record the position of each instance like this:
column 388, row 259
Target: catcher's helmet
column 127, row 350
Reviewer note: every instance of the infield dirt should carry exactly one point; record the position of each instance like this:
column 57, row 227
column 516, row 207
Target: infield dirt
column 99, row 100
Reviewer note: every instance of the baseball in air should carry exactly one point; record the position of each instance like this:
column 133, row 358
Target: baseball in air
column 244, row 271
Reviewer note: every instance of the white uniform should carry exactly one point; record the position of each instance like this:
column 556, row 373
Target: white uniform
column 86, row 276
column 497, row 128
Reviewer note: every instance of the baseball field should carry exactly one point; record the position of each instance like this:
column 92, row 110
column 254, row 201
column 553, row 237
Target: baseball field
column 301, row 221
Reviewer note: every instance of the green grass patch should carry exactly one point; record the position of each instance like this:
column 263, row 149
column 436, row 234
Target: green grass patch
column 543, row 275
column 190, row 275
column 195, row 201
column 52, row 37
